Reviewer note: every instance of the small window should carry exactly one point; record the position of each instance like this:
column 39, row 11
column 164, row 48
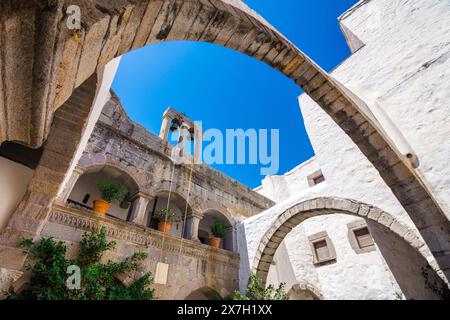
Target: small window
column 86, row 198
column 360, row 238
column 322, row 248
column 322, row 251
column 316, row 178
column 319, row 179
column 363, row 238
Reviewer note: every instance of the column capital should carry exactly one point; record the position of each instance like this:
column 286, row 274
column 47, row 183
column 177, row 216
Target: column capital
column 195, row 215
column 79, row 170
column 231, row 228
column 140, row 194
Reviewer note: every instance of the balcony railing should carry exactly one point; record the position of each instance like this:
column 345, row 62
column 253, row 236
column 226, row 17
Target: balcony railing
column 83, row 218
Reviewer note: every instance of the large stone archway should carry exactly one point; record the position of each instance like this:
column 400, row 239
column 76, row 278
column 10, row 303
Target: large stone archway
column 43, row 62
column 304, row 210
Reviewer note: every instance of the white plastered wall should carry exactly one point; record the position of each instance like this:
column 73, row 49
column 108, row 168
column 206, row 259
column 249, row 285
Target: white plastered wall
column 403, row 68
column 14, row 179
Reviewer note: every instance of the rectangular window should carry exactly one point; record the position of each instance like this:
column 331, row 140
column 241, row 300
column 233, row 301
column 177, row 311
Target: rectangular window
column 322, row 251
column 86, row 198
column 318, row 179
column 363, row 237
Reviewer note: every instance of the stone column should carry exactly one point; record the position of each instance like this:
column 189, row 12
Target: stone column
column 165, row 127
column 234, row 238
column 140, row 202
column 184, row 136
column 192, row 225
column 229, row 241
column 64, row 195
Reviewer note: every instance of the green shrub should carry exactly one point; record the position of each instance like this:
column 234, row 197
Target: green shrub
column 112, row 192
column 168, row 215
column 98, row 280
column 256, row 291
column 218, row 229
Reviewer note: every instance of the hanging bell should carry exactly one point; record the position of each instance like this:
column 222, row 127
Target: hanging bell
column 175, row 125
column 191, row 134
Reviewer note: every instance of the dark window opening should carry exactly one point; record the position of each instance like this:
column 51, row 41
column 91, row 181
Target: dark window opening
column 21, row 154
column 86, row 198
column 363, row 237
column 318, row 179
column 322, row 251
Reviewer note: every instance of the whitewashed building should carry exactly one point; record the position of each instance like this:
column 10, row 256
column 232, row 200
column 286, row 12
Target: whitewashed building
column 400, row 68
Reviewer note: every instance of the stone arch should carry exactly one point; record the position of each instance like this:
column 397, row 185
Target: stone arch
column 307, row 288
column 208, row 216
column 90, row 163
column 59, row 60
column 178, row 202
column 125, row 175
column 204, row 293
column 300, row 212
column 176, row 197
column 83, row 190
column 230, row 219
column 177, row 188
column 184, row 292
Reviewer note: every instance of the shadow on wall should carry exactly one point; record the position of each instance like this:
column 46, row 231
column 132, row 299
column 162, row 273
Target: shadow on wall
column 416, row 279
column 244, row 266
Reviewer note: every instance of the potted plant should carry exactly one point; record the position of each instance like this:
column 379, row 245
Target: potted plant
column 111, row 193
column 218, row 230
column 166, row 217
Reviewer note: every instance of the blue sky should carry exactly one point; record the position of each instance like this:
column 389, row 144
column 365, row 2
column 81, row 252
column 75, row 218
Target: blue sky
column 226, row 90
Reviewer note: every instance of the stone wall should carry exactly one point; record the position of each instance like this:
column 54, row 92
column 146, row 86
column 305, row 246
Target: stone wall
column 120, row 142
column 191, row 265
column 44, row 65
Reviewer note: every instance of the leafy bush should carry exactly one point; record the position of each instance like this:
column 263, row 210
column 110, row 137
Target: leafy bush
column 218, row 229
column 112, row 192
column 256, row 291
column 98, row 280
column 167, row 214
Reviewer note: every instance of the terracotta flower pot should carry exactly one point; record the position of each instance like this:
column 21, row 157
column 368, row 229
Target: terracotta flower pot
column 164, row 226
column 101, row 206
column 215, row 242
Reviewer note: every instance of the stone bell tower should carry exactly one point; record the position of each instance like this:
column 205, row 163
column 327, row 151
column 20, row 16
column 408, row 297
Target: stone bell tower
column 173, row 120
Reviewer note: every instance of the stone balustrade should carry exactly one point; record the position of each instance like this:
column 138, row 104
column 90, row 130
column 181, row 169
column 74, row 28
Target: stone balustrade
column 192, row 265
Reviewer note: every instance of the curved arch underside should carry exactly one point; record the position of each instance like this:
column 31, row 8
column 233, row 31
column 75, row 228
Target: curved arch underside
column 42, row 62
column 305, row 291
column 295, row 215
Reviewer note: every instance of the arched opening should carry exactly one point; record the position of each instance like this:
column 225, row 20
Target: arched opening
column 86, row 191
column 304, row 292
column 397, row 244
column 205, row 229
column 227, row 23
column 177, row 203
column 204, row 293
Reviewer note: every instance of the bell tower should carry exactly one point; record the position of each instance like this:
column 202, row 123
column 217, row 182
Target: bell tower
column 172, row 121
